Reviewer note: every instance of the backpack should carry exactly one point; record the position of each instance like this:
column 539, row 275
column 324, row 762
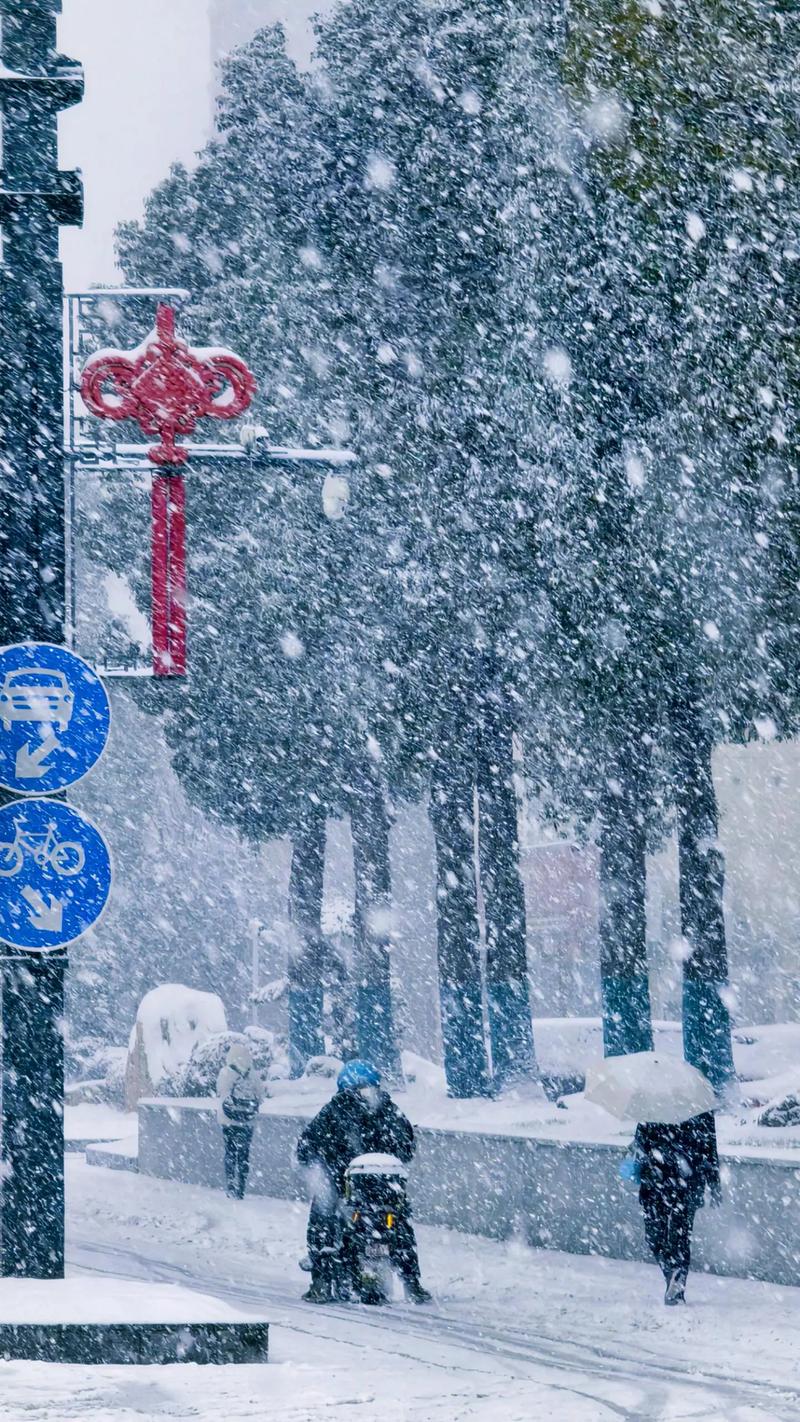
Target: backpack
column 239, row 1110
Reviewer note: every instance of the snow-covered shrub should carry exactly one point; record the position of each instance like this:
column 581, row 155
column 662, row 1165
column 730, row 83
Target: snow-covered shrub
column 323, row 1066
column 278, row 1045
column 94, row 1070
column 199, row 1077
column 171, row 1021
column 82, row 1057
column 783, row 1111
column 274, row 991
column 112, row 1063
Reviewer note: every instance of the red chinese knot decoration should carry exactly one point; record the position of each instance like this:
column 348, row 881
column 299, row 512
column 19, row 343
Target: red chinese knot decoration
column 166, row 387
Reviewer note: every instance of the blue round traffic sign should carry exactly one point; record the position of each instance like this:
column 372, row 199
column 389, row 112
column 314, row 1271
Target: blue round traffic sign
column 55, row 874
column 54, row 718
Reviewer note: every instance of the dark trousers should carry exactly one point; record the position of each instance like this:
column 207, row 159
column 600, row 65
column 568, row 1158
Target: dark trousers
column 324, row 1238
column 668, row 1222
column 333, row 1254
column 403, row 1251
column 237, row 1158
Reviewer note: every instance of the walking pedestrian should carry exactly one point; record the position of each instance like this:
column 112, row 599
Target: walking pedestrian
column 676, row 1164
column 240, row 1093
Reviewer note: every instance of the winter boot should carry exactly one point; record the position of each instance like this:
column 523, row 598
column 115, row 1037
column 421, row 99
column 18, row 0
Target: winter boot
column 415, row 1292
column 370, row 1291
column 676, row 1286
column 319, row 1292
column 342, row 1290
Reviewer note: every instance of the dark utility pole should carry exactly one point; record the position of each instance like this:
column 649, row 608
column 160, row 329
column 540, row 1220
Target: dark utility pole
column 35, row 200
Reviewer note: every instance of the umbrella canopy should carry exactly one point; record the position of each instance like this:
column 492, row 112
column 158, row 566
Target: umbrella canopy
column 649, row 1086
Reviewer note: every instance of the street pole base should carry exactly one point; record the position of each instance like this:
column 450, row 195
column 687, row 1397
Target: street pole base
column 79, row 1320
column 98, row 1344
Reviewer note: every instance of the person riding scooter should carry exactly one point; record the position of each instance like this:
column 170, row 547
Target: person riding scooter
column 360, row 1119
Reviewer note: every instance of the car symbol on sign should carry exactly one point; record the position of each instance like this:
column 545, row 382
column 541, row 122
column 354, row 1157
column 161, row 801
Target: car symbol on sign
column 36, row 694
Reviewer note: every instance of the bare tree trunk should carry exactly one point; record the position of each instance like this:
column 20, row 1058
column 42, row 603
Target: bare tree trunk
column 627, row 1025
column 701, row 867
column 307, row 961
column 374, row 1018
column 510, row 1024
column 458, row 935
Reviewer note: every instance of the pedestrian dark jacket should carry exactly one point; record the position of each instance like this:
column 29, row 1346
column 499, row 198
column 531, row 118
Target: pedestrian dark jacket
column 679, row 1161
column 345, row 1128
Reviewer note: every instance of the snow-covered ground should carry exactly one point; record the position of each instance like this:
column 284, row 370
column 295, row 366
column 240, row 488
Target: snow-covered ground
column 767, row 1062
column 94, row 1121
column 514, row 1334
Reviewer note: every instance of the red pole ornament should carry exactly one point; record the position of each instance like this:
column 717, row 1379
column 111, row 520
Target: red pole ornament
column 168, row 504
column 166, row 386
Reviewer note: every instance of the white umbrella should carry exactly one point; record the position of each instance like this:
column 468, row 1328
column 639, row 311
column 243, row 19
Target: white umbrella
column 649, row 1086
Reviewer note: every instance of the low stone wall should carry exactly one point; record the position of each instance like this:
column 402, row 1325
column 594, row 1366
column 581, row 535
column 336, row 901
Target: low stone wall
column 554, row 1194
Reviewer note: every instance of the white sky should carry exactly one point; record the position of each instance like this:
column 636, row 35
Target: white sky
column 147, row 104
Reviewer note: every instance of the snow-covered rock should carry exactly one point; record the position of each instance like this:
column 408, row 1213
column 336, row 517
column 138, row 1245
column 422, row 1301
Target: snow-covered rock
column 171, row 1021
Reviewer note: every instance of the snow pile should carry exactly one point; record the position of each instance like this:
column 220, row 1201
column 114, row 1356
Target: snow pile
column 117, row 1301
column 768, row 1065
column 763, row 1052
column 327, row 1068
column 171, row 1021
column 90, row 1122
column 565, row 1046
column 419, row 1072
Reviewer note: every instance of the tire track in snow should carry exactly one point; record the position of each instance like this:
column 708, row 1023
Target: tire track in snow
column 481, row 1342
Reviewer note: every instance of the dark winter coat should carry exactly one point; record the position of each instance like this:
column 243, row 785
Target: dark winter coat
column 678, row 1162
column 345, row 1128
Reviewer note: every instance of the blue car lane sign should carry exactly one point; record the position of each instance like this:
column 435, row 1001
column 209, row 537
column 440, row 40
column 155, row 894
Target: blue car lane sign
column 54, row 718
column 55, row 874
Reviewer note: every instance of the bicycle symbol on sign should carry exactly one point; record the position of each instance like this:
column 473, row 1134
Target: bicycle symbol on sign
column 65, row 856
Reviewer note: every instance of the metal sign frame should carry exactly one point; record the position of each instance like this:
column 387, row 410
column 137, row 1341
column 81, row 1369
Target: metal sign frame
column 86, row 455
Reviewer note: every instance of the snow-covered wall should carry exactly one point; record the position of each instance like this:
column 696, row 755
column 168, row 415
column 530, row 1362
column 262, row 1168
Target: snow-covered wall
column 556, row 1195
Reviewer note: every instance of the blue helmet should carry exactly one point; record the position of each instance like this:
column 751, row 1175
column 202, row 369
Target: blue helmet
column 354, row 1075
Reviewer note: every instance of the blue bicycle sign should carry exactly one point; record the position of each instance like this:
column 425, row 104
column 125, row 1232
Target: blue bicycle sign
column 54, row 718
column 55, row 874
column 65, row 856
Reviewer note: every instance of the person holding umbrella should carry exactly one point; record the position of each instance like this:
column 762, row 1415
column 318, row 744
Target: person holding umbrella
column 674, row 1152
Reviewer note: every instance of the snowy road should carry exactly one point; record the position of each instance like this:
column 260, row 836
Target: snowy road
column 515, row 1333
